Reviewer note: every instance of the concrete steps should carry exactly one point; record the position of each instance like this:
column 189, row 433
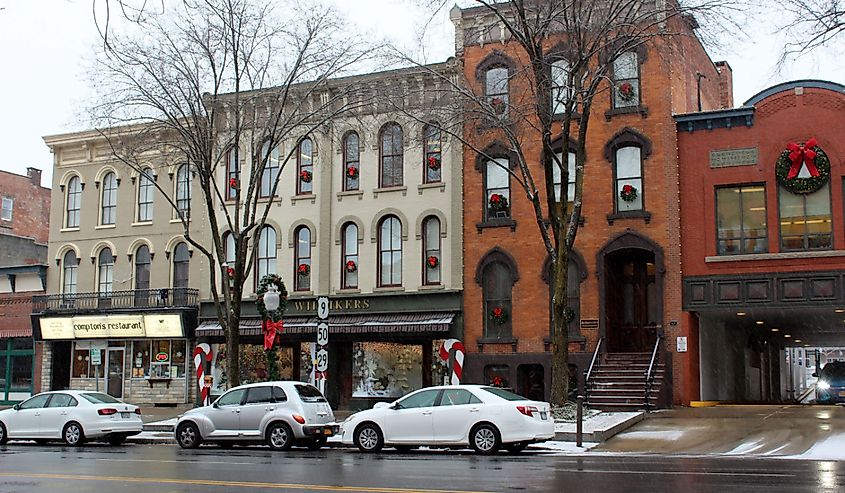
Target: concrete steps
column 618, row 382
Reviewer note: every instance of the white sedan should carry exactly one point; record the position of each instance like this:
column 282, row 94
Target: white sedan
column 73, row 416
column 485, row 418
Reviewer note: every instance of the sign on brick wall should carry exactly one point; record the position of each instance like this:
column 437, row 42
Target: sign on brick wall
column 726, row 158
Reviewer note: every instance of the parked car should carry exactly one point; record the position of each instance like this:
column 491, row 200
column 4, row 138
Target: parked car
column 281, row 414
column 74, row 416
column 485, row 418
column 830, row 388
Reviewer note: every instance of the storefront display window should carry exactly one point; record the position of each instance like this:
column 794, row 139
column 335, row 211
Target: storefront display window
column 16, row 358
column 382, row 369
column 159, row 359
column 253, row 365
column 82, row 367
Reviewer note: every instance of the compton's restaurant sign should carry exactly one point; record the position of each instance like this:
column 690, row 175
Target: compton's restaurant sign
column 111, row 327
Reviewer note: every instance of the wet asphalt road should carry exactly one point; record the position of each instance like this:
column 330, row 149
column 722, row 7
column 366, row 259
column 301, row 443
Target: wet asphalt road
column 167, row 469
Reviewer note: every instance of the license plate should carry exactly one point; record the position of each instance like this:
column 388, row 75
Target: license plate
column 842, row 393
column 543, row 415
column 124, row 415
column 327, row 431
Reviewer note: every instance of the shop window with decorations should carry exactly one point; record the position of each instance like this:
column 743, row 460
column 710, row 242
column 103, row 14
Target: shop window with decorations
column 497, row 375
column 382, row 369
column 82, row 367
column 253, row 365
column 159, row 359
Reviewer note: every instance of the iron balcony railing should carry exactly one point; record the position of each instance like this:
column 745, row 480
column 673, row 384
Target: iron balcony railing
column 133, row 298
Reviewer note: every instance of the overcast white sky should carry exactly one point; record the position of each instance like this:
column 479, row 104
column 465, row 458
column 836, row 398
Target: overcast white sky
column 44, row 45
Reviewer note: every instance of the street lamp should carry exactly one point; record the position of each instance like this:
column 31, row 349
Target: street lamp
column 271, row 299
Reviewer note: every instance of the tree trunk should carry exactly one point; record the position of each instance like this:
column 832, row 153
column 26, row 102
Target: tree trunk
column 233, row 340
column 560, row 337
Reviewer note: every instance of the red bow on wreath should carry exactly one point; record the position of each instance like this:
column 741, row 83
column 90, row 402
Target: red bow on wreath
column 271, row 328
column 802, row 153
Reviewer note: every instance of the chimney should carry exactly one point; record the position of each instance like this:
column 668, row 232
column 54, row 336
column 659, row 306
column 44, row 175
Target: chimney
column 726, row 84
column 34, row 175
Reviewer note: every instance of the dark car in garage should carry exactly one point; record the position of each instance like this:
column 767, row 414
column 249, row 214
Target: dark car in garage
column 830, row 388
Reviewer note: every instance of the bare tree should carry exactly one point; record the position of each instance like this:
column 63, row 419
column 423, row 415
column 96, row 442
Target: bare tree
column 811, row 24
column 206, row 81
column 567, row 50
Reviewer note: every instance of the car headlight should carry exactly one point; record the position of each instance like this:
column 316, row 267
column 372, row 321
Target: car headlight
column 822, row 385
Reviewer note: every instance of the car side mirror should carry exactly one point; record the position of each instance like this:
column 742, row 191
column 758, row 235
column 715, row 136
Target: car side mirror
column 16, row 407
column 215, row 405
column 395, row 406
column 816, row 374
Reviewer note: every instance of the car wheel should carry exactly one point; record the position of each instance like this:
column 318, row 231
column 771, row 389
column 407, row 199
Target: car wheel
column 516, row 448
column 73, row 435
column 368, row 438
column 316, row 444
column 280, row 436
column 116, row 440
column 485, row 439
column 188, row 435
column 3, row 436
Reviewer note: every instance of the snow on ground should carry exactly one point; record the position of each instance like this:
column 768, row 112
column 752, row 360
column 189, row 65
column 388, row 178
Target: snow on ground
column 832, row 447
column 567, row 447
column 597, row 422
column 662, row 435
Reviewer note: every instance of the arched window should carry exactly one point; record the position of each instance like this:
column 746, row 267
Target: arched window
column 183, row 191
column 70, row 267
column 628, row 175
column 145, row 195
column 233, row 173
column 349, row 254
column 74, row 202
column 390, row 252
column 558, row 177
column 108, row 201
column 181, row 260
column 574, row 277
column 229, row 245
column 351, row 162
column 271, row 169
column 560, row 85
column 626, row 80
column 105, row 276
column 497, row 284
column 266, row 260
column 143, row 259
column 391, row 171
column 431, row 254
column 302, row 259
column 497, row 184
column 305, row 167
column 433, row 153
column 496, row 88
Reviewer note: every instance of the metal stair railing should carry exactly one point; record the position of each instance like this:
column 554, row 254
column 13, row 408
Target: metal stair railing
column 649, row 375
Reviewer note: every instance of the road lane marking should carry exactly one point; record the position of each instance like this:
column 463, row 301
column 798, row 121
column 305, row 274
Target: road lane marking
column 240, row 484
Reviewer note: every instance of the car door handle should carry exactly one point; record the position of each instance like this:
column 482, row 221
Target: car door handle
column 238, row 411
column 474, row 410
column 269, row 408
column 426, row 413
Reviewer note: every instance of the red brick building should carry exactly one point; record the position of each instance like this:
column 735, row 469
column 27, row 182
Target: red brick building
column 24, row 226
column 625, row 277
column 764, row 254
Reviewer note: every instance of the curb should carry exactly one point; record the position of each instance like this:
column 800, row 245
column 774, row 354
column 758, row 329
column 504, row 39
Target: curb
column 601, row 435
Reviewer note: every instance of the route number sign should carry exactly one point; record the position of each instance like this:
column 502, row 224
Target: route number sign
column 322, row 359
column 322, row 333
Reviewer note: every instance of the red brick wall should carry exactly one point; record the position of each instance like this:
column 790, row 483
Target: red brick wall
column 31, row 213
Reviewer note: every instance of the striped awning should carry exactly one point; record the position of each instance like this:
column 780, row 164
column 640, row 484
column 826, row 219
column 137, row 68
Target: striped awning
column 381, row 323
column 20, row 332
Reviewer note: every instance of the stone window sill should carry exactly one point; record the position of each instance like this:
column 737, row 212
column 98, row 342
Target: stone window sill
column 350, row 193
column 297, row 198
column 348, row 291
column 430, row 287
column 106, row 226
column 642, row 110
column 143, row 223
column 389, row 289
column 514, row 342
column 749, row 257
column 402, row 189
column 69, row 230
column 300, row 294
column 616, row 216
column 430, row 186
column 498, row 222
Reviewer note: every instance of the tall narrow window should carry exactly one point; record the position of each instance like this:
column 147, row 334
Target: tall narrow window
column 8, row 206
column 741, row 220
column 560, row 85
column 433, row 153
column 183, row 191
column 629, row 179
column 181, row 262
column 266, row 260
column 108, row 200
column 143, row 259
column 74, row 202
column 497, row 285
column 105, row 274
column 391, row 156
column 805, row 222
column 145, row 195
column 432, row 254
column 626, row 80
column 70, row 267
column 496, row 89
column 573, row 298
column 349, row 269
column 302, row 259
column 497, row 189
column 271, row 169
column 233, row 173
column 558, row 178
column 229, row 252
column 305, row 167
column 351, row 162
column 390, row 252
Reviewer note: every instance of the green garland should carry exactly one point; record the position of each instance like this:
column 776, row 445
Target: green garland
column 803, row 185
column 263, row 287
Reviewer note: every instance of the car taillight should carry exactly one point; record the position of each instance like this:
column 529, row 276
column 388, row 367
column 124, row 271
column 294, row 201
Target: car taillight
column 138, row 411
column 527, row 410
column 107, row 411
column 299, row 419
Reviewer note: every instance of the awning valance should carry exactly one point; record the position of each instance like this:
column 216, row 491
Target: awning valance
column 10, row 333
column 380, row 323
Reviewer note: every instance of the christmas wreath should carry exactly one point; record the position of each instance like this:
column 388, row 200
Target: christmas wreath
column 797, row 157
column 351, row 266
column 432, row 261
column 498, row 315
column 263, row 287
column 628, row 193
column 497, row 381
column 352, row 172
column 230, row 272
column 568, row 314
column 305, row 176
column 233, row 183
column 498, row 105
column 498, row 203
column 626, row 91
column 433, row 163
column 303, row 269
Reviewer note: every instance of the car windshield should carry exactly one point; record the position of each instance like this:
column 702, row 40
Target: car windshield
column 504, row 394
column 97, row 398
column 309, row 393
column 833, row 372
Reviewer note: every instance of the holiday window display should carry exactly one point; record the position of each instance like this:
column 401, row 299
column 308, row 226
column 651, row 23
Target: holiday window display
column 382, row 369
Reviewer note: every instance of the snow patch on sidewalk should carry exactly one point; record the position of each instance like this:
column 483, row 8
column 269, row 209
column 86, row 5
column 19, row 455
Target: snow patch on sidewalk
column 568, row 447
column 832, row 447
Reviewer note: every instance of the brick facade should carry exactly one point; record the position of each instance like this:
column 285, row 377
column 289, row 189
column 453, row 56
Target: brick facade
column 31, row 212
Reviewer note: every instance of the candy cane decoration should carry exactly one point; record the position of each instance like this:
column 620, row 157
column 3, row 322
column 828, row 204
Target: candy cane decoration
column 201, row 350
column 457, row 368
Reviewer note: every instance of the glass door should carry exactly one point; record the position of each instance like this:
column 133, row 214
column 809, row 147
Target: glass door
column 114, row 375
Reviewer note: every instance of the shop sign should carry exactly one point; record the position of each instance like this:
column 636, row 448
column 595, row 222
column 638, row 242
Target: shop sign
column 162, row 326
column 112, row 327
column 115, row 327
column 162, row 357
column 57, row 328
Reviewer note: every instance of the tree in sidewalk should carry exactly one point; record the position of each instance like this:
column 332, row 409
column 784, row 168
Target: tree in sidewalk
column 228, row 88
column 566, row 52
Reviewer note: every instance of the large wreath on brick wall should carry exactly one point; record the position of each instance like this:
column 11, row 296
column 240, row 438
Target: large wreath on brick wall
column 797, row 157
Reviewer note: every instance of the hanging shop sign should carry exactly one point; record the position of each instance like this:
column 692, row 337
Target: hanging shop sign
column 111, row 327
